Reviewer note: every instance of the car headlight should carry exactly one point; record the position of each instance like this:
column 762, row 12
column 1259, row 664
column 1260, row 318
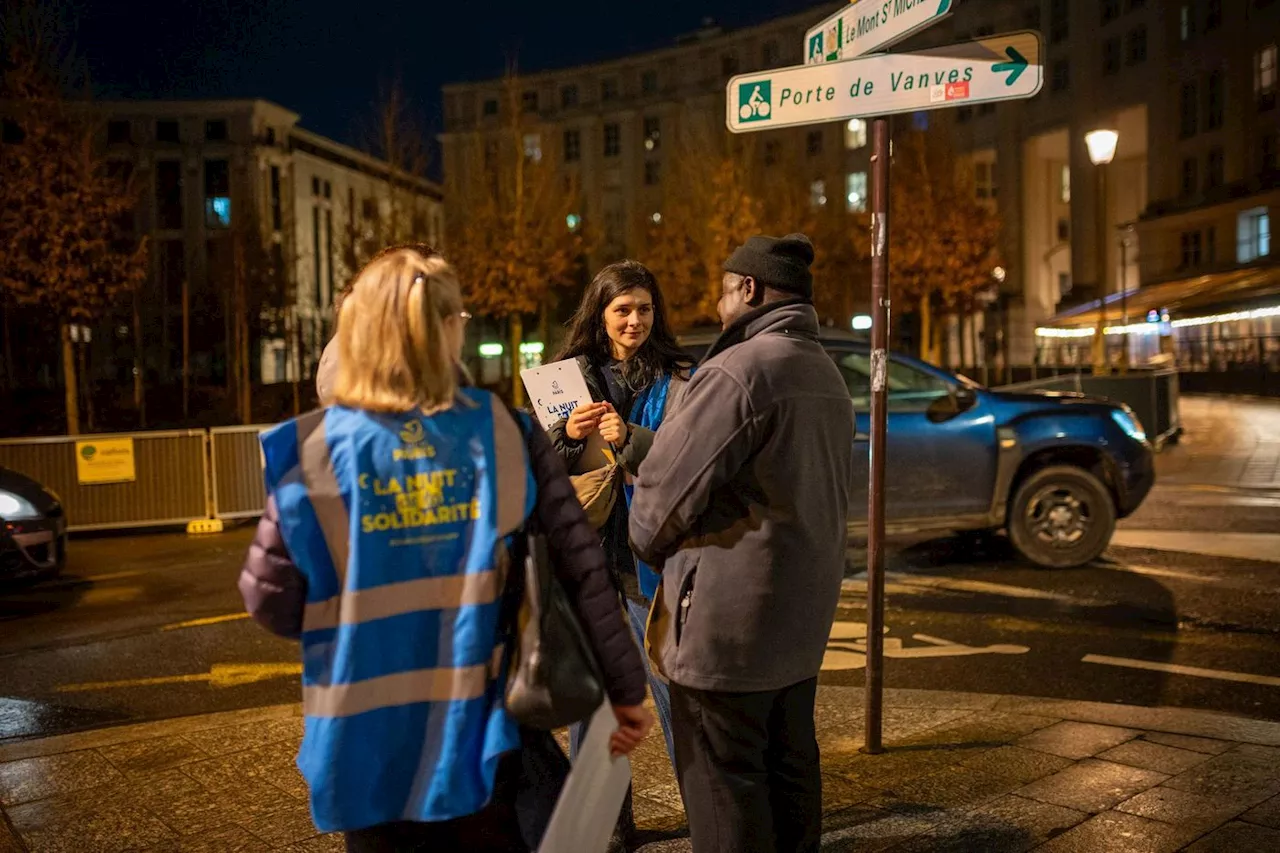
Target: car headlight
column 16, row 508
column 1128, row 421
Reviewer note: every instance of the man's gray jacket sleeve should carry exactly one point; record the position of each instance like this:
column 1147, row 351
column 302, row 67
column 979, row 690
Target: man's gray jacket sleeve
column 695, row 453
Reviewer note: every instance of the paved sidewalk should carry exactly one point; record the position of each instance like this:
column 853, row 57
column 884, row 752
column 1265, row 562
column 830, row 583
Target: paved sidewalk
column 965, row 772
column 1229, row 441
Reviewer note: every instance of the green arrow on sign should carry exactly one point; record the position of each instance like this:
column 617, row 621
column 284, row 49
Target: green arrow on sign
column 1017, row 64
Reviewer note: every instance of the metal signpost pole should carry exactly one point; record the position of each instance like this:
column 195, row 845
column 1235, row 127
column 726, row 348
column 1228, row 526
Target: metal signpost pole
column 875, row 484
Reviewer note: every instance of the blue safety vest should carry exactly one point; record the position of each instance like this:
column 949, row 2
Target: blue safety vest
column 398, row 522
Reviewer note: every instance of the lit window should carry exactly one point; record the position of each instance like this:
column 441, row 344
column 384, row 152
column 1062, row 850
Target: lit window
column 818, row 193
column 855, row 134
column 1254, row 234
column 856, row 190
column 217, row 212
column 533, row 147
column 1264, row 74
column 1066, row 184
column 217, row 194
column 652, row 132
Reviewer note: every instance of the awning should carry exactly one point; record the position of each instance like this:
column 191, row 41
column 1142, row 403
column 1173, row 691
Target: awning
column 1183, row 298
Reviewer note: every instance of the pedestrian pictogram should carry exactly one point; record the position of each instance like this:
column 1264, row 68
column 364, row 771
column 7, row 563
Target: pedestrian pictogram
column 755, row 101
column 867, row 26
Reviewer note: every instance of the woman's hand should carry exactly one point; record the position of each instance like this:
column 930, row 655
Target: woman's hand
column 634, row 724
column 584, row 420
column 613, row 428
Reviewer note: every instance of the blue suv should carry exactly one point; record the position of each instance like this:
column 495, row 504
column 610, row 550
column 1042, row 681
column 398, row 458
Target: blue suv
column 1056, row 471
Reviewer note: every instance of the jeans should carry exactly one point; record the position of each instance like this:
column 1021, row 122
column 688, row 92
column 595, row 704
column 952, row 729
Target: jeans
column 638, row 616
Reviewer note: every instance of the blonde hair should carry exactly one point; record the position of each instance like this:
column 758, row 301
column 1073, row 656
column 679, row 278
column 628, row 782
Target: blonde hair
column 392, row 352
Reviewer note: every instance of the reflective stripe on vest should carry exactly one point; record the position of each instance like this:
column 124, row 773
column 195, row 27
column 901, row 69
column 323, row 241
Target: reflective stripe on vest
column 398, row 523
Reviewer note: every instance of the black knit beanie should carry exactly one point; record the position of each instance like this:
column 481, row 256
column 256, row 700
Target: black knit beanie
column 778, row 262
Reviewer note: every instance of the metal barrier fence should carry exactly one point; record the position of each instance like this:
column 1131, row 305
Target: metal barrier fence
column 235, row 458
column 141, row 479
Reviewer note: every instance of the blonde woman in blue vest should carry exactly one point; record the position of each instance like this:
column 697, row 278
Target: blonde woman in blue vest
column 379, row 549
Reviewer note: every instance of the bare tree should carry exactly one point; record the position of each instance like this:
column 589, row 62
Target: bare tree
column 63, row 242
column 510, row 235
column 944, row 243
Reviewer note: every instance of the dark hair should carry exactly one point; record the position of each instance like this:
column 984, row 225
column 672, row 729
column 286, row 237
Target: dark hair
column 587, row 335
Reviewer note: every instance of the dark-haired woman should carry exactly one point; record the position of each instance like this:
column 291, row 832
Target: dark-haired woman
column 622, row 341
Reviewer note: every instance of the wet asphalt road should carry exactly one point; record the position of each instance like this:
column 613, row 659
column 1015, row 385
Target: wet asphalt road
column 144, row 627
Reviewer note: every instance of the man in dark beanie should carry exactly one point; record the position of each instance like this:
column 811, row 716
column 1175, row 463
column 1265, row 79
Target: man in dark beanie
column 743, row 501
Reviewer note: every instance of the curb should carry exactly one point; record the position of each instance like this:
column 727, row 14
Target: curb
column 114, row 735
column 1181, row 721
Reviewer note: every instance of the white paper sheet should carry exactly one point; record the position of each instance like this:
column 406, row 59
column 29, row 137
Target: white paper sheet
column 592, row 797
column 555, row 390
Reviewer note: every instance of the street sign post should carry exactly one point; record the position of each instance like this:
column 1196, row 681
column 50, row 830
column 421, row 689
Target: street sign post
column 995, row 68
column 866, row 26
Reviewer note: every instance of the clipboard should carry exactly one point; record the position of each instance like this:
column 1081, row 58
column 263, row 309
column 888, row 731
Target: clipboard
column 555, row 390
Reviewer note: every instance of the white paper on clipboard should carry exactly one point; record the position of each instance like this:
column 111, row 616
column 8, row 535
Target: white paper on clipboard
column 592, row 796
column 555, row 390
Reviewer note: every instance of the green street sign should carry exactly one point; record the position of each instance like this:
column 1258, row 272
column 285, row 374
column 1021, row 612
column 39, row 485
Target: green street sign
column 995, row 68
column 866, row 26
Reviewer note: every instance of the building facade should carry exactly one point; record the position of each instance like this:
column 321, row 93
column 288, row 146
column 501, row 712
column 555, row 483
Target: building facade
column 211, row 172
column 1189, row 85
column 611, row 126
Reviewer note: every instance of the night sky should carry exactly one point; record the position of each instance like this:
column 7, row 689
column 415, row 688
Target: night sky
column 324, row 58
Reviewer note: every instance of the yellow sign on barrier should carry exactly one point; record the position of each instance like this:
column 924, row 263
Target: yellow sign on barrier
column 108, row 460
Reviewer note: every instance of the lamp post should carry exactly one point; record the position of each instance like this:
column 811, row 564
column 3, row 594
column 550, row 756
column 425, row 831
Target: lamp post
column 1102, row 150
column 1126, row 240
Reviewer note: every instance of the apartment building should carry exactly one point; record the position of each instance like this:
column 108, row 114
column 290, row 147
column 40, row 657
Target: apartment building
column 208, row 168
column 1189, row 85
column 612, row 125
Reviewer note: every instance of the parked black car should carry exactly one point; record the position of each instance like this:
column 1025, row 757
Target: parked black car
column 33, row 529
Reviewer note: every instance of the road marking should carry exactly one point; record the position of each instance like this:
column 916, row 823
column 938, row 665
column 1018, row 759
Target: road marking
column 220, row 675
column 914, row 584
column 1242, row 546
column 1179, row 669
column 847, row 647
column 111, row 595
column 209, row 620
column 113, row 576
column 1164, row 573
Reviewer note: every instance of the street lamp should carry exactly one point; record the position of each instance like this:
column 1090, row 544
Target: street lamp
column 1102, row 150
column 1126, row 240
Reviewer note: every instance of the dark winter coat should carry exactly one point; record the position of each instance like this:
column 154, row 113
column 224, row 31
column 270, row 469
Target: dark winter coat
column 744, row 499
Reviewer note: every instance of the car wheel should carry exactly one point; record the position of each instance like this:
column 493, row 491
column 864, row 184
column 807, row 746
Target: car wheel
column 1062, row 517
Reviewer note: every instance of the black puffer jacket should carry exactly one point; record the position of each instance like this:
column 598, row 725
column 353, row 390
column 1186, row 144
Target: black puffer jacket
column 614, row 535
